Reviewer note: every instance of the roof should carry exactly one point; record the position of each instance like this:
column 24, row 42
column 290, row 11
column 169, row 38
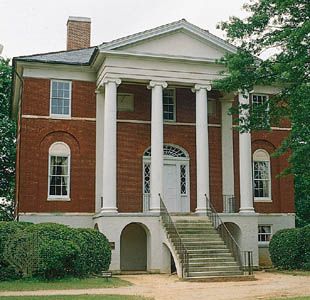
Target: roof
column 84, row 56
column 72, row 57
column 167, row 28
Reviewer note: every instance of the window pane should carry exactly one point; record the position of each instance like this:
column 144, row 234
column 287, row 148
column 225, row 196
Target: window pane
column 61, row 97
column 261, row 179
column 59, row 175
column 168, row 104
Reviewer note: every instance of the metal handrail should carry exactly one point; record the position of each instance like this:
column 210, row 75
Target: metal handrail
column 174, row 236
column 243, row 258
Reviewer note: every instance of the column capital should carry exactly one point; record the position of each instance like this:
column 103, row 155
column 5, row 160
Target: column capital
column 154, row 83
column 198, row 87
column 117, row 81
column 99, row 90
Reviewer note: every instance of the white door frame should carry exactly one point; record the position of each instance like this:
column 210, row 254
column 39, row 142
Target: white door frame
column 184, row 199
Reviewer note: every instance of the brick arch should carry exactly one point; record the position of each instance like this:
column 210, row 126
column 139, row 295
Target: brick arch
column 60, row 136
column 263, row 144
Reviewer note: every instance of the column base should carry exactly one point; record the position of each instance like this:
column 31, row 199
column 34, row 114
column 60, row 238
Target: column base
column 110, row 210
column 154, row 210
column 246, row 210
column 200, row 211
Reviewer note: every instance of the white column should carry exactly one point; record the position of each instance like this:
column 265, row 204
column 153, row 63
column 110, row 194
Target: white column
column 156, row 144
column 245, row 160
column 227, row 151
column 202, row 146
column 109, row 144
column 99, row 147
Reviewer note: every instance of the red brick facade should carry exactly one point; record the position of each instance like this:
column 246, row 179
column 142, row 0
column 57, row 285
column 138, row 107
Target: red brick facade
column 37, row 135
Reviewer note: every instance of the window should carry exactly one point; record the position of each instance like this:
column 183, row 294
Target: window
column 60, row 98
column 260, row 110
column 211, row 107
column 261, row 175
column 169, row 104
column 59, row 171
column 125, row 102
column 147, row 178
column 264, row 233
column 183, row 179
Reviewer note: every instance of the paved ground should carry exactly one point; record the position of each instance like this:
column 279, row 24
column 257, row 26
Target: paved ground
column 167, row 287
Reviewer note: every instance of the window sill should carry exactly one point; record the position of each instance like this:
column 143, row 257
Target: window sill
column 263, row 244
column 263, row 200
column 58, row 199
column 60, row 117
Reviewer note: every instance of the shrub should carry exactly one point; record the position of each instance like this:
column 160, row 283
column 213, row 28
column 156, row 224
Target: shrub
column 54, row 250
column 58, row 251
column 289, row 248
column 305, row 246
column 95, row 255
column 8, row 229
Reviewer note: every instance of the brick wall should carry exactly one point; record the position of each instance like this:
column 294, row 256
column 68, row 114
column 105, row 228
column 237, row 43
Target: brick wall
column 38, row 134
column 132, row 139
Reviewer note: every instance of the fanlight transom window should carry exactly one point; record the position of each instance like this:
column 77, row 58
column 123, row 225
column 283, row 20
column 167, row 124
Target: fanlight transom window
column 168, row 150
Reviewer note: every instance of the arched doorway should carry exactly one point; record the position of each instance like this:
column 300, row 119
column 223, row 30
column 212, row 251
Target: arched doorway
column 134, row 248
column 176, row 182
column 235, row 231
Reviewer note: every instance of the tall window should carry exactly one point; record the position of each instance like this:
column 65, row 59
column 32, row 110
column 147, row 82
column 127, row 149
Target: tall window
column 169, row 104
column 60, row 98
column 261, row 175
column 59, row 171
column 260, row 110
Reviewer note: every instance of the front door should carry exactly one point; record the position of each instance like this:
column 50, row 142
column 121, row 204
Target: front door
column 171, row 192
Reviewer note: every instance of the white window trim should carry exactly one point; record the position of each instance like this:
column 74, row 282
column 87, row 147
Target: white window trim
column 58, row 197
column 174, row 106
column 60, row 116
column 177, row 161
column 269, row 198
column 271, row 233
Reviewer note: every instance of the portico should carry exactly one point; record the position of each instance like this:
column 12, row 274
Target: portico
column 107, row 154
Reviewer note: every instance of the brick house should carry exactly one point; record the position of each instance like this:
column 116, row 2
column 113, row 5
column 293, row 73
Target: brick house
column 102, row 131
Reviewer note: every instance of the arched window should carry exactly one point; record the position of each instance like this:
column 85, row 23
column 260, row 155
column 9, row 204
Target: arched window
column 168, row 151
column 261, row 175
column 59, row 171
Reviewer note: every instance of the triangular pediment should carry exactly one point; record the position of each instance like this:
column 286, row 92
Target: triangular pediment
column 177, row 39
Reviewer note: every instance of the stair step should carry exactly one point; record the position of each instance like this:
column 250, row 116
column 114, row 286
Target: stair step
column 220, row 278
column 214, row 273
column 208, row 251
column 215, row 259
column 231, row 263
column 213, row 268
column 198, row 235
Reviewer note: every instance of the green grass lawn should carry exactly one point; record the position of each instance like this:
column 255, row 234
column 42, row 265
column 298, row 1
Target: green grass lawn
column 61, row 284
column 81, row 297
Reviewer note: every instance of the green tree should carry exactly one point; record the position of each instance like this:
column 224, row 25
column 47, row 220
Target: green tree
column 7, row 144
column 281, row 27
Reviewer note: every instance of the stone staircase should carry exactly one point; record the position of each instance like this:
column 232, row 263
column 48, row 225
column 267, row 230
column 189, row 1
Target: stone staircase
column 208, row 255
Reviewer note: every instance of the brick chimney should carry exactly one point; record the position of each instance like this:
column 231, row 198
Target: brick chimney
column 78, row 33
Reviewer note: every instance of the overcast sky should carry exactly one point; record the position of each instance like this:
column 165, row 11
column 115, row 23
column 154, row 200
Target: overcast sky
column 38, row 26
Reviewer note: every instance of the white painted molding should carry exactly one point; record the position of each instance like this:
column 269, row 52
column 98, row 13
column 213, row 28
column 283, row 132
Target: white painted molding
column 165, row 123
column 55, row 118
column 117, row 81
column 154, row 83
column 54, row 214
column 198, row 87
